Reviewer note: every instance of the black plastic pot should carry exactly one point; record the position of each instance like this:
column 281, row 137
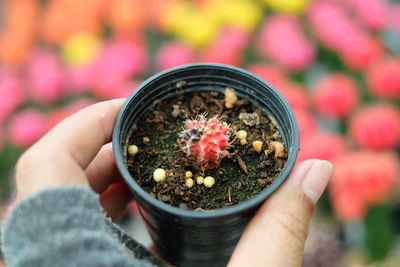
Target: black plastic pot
column 189, row 238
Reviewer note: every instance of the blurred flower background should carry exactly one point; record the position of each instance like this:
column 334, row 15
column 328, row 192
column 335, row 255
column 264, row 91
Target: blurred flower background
column 337, row 62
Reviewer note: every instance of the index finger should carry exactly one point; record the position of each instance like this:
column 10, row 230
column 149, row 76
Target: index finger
column 82, row 135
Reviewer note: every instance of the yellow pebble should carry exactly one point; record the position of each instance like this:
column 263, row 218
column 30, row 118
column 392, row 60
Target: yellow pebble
column 242, row 134
column 243, row 142
column 257, row 145
column 278, row 148
column 189, row 182
column 188, row 174
column 146, row 140
column 209, row 181
column 159, row 175
column 132, row 150
column 200, row 179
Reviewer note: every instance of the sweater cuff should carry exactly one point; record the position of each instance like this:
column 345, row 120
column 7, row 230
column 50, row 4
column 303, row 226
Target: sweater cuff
column 35, row 222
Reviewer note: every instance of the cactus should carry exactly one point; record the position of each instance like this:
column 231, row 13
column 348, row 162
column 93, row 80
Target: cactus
column 205, row 140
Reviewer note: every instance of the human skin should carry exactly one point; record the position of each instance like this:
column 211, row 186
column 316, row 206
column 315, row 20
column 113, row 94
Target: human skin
column 78, row 152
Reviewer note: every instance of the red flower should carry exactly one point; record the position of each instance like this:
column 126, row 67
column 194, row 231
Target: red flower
column 383, row 78
column 294, row 94
column 321, row 145
column 305, row 121
column 360, row 179
column 335, row 96
column 376, row 126
column 362, row 52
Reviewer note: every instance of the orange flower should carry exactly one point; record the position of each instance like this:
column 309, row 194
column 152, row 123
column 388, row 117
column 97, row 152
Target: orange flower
column 126, row 15
column 63, row 18
column 19, row 30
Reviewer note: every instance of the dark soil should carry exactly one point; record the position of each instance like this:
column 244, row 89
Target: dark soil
column 240, row 176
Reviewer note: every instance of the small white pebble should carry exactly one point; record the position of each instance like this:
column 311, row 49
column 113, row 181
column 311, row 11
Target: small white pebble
column 200, row 179
column 132, row 150
column 188, row 174
column 189, row 182
column 159, row 175
column 209, row 181
column 257, row 145
column 243, row 142
column 242, row 134
column 146, row 140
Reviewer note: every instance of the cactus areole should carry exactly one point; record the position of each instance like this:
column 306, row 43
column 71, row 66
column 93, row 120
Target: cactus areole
column 205, row 140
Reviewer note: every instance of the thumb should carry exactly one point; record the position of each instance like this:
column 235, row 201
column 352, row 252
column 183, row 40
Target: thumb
column 276, row 234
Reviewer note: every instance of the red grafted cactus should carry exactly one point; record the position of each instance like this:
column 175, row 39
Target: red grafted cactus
column 205, row 140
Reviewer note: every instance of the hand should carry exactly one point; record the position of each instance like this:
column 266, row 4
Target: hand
column 77, row 152
column 276, row 234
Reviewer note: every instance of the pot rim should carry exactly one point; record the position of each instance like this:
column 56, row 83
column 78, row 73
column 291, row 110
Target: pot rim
column 217, row 213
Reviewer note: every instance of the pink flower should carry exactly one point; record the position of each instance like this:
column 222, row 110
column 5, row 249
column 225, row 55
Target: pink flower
column 383, row 78
column 57, row 115
column 26, row 127
column 173, row 54
column 227, row 48
column 332, row 25
column 78, row 104
column 45, row 77
column 321, row 145
column 393, row 17
column 283, row 40
column 119, row 61
column 360, row 179
column 376, row 126
column 371, row 13
column 119, row 90
column 80, row 78
column 270, row 73
column 335, row 95
column 363, row 51
column 11, row 93
column 305, row 121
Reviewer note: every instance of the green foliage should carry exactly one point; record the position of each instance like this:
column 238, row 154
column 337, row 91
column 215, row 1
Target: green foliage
column 379, row 234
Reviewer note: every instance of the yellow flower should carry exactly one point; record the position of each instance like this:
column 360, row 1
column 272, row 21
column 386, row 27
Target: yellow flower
column 198, row 30
column 288, row 6
column 194, row 26
column 175, row 15
column 244, row 14
column 80, row 48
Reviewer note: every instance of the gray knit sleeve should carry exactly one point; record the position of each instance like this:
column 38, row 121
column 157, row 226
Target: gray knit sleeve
column 65, row 226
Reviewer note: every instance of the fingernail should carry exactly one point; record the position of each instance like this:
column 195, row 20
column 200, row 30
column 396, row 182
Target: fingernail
column 316, row 179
